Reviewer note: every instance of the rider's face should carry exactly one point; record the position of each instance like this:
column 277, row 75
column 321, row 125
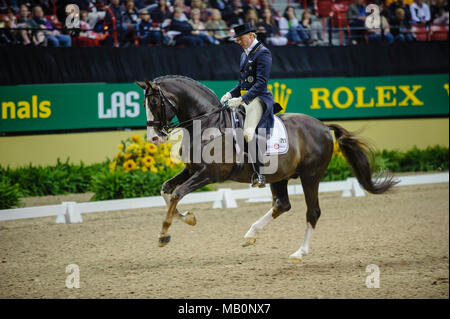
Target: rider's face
column 245, row 40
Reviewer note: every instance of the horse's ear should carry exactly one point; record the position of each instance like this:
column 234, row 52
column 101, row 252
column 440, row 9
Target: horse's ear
column 142, row 85
column 151, row 84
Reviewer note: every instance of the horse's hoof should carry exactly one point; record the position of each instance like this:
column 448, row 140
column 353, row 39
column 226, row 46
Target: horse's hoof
column 189, row 218
column 249, row 242
column 296, row 258
column 163, row 240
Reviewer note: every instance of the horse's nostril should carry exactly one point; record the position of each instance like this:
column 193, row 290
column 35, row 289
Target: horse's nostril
column 155, row 138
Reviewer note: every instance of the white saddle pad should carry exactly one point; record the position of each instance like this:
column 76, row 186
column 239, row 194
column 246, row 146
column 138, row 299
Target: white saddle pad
column 278, row 142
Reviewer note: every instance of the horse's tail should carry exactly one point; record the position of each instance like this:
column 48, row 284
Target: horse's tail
column 357, row 153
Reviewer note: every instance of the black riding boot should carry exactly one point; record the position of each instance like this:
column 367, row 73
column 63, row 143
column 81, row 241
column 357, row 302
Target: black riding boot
column 258, row 179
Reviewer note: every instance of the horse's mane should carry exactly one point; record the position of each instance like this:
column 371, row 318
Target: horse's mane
column 208, row 92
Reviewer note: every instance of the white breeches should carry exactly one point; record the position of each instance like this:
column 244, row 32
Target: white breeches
column 254, row 111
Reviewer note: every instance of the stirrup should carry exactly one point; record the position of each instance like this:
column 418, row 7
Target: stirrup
column 258, row 180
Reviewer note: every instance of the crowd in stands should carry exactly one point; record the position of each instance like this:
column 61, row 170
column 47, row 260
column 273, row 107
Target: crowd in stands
column 398, row 18
column 204, row 22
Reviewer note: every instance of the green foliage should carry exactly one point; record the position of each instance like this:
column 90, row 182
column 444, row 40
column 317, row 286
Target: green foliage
column 62, row 178
column 118, row 184
column 9, row 193
column 433, row 158
column 337, row 170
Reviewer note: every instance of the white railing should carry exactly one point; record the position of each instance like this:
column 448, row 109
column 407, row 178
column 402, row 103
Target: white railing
column 71, row 212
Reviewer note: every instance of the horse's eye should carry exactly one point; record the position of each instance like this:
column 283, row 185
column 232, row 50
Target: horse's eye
column 153, row 100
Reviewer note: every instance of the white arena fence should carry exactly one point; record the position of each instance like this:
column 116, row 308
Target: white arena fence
column 71, row 212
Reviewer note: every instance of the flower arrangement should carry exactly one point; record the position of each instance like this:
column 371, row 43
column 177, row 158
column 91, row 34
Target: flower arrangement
column 137, row 154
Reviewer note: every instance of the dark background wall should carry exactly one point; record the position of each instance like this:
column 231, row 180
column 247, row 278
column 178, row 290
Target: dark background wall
column 21, row 65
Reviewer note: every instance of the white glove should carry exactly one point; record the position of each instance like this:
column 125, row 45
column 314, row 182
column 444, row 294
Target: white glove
column 225, row 98
column 234, row 102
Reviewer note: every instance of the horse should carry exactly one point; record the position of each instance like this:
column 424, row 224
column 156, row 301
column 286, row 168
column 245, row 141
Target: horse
column 310, row 151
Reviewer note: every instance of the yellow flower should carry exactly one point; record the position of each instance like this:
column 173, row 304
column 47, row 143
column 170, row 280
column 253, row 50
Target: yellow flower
column 134, row 147
column 118, row 156
column 153, row 169
column 144, row 169
column 151, row 148
column 167, row 162
column 148, row 161
column 129, row 166
column 127, row 156
column 120, row 146
column 112, row 166
column 136, row 138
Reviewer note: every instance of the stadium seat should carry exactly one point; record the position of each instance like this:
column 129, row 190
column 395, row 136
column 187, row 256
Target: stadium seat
column 438, row 33
column 339, row 19
column 324, row 7
column 421, row 32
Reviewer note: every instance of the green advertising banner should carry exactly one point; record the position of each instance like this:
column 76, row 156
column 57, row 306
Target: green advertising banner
column 27, row 108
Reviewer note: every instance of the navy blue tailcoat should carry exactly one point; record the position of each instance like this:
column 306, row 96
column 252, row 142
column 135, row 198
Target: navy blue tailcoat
column 254, row 74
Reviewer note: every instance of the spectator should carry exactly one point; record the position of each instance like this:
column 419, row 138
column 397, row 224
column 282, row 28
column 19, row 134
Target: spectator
column 180, row 4
column 268, row 29
column 376, row 35
column 118, row 11
column 234, row 14
column 8, row 22
column 183, row 30
column 200, row 5
column 199, row 27
column 253, row 4
column 25, row 22
column 356, row 15
column 147, row 33
column 87, row 36
column 7, row 5
column 400, row 27
column 404, row 4
column 131, row 15
column 161, row 12
column 420, row 12
column 439, row 12
column 312, row 29
column 291, row 29
column 252, row 18
column 217, row 27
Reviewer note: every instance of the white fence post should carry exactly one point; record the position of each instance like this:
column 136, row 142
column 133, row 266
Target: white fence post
column 72, row 214
column 227, row 199
column 354, row 190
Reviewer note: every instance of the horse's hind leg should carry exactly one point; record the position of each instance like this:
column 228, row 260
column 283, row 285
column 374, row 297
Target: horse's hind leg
column 280, row 204
column 311, row 190
column 166, row 191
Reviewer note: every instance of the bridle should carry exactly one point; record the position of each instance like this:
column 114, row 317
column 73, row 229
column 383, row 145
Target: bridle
column 163, row 125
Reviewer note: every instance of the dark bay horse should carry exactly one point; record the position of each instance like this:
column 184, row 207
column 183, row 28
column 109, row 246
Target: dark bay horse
column 310, row 151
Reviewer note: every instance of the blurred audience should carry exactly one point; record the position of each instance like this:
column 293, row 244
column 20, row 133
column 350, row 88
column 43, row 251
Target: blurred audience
column 201, row 22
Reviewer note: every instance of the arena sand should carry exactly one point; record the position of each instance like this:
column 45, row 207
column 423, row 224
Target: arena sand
column 405, row 233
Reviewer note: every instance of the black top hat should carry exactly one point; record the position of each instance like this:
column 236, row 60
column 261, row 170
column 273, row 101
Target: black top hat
column 243, row 29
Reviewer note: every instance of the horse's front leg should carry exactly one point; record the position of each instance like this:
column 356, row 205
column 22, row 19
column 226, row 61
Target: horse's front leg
column 167, row 189
column 197, row 180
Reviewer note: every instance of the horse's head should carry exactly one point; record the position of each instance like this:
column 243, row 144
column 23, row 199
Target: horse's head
column 160, row 112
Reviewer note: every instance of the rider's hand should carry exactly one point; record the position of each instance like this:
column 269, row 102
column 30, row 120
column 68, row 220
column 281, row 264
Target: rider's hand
column 225, row 98
column 234, row 102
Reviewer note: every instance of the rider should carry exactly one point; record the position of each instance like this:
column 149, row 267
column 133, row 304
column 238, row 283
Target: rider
column 251, row 91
